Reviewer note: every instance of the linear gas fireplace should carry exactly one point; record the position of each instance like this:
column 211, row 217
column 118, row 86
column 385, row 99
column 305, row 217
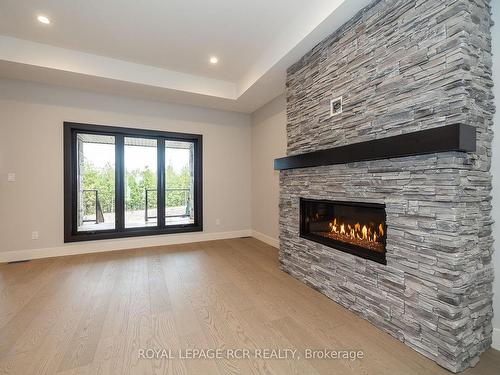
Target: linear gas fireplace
column 355, row 228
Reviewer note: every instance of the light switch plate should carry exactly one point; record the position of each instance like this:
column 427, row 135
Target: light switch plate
column 11, row 177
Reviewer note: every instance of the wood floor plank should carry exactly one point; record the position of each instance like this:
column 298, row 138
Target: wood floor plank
column 159, row 297
column 183, row 312
column 57, row 340
column 185, row 319
column 251, row 283
column 82, row 347
column 22, row 270
column 55, row 309
column 301, row 339
column 14, row 364
column 93, row 314
column 165, row 336
column 116, row 321
column 257, row 322
column 15, row 295
column 139, row 327
column 15, row 327
column 213, row 325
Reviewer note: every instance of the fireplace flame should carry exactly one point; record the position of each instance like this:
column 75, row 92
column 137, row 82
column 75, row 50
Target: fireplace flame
column 368, row 233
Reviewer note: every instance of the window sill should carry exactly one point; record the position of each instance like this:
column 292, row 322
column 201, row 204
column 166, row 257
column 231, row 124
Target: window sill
column 131, row 232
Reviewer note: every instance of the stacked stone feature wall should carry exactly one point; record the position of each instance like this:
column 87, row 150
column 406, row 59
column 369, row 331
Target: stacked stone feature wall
column 401, row 66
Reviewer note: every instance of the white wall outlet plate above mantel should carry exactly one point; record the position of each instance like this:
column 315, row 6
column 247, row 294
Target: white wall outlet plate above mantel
column 336, row 106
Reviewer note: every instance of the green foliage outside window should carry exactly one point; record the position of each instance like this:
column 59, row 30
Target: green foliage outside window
column 103, row 180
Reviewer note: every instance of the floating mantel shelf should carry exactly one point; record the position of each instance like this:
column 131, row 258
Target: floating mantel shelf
column 455, row 137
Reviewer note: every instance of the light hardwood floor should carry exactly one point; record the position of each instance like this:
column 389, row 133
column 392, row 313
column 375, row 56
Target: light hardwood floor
column 92, row 314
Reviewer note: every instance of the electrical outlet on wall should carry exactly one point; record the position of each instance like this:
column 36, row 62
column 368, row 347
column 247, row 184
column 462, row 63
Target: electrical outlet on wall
column 217, row 221
column 336, row 106
column 34, row 235
column 11, row 177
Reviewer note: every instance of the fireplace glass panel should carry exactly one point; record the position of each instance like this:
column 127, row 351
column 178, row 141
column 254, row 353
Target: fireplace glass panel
column 356, row 228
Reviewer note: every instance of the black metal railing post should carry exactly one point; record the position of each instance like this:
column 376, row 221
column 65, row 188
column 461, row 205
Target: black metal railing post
column 97, row 206
column 146, row 217
column 186, row 202
column 96, row 199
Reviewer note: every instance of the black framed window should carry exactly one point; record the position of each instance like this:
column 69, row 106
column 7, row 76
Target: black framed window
column 124, row 182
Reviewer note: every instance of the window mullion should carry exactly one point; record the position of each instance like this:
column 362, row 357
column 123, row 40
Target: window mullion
column 120, row 183
column 161, row 183
column 198, row 173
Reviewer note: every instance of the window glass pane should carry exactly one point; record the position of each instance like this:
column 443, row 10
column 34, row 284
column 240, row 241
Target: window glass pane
column 179, row 182
column 141, row 198
column 96, row 182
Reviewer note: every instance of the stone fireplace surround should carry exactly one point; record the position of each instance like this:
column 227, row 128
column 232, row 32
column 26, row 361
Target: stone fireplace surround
column 401, row 66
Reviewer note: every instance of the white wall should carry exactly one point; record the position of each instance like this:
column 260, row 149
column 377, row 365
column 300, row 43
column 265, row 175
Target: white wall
column 495, row 170
column 268, row 143
column 31, row 145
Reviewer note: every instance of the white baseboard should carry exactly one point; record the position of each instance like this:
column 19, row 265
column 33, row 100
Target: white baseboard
column 118, row 244
column 496, row 339
column 265, row 238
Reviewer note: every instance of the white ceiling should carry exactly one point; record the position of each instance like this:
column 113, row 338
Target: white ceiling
column 159, row 49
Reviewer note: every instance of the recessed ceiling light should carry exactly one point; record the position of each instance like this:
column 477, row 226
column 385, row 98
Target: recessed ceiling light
column 214, row 60
column 43, row 19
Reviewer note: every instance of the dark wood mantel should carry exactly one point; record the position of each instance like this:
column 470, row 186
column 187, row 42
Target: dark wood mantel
column 455, row 137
